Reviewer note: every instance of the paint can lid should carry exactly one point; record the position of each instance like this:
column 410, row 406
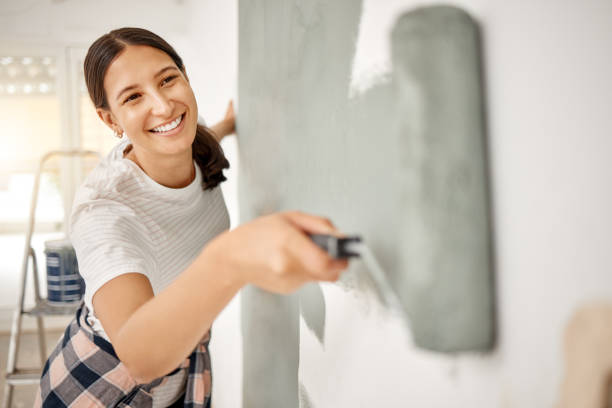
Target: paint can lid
column 63, row 243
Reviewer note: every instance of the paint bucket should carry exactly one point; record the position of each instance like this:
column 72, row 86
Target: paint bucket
column 64, row 284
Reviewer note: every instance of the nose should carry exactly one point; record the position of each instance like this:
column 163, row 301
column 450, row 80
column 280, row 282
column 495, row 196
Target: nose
column 161, row 104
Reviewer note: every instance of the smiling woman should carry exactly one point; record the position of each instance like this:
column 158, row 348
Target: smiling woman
column 145, row 109
column 149, row 227
column 147, row 96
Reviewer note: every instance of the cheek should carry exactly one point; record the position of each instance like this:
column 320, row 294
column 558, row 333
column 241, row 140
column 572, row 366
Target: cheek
column 134, row 119
column 194, row 107
column 188, row 97
column 187, row 93
column 192, row 95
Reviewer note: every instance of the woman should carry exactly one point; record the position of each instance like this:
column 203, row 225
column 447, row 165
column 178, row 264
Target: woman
column 149, row 227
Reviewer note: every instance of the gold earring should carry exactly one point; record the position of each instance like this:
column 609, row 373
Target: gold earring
column 118, row 135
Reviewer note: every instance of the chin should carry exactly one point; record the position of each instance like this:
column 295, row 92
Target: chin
column 179, row 146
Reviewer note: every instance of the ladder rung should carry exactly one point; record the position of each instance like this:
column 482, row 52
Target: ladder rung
column 24, row 376
column 43, row 308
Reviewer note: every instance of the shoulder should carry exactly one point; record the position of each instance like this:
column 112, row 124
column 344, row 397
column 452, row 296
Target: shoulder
column 109, row 188
column 111, row 174
column 113, row 178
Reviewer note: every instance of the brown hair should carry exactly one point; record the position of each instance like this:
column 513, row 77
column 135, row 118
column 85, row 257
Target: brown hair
column 206, row 151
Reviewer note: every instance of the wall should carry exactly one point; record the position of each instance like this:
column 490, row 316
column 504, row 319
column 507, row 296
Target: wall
column 212, row 63
column 546, row 74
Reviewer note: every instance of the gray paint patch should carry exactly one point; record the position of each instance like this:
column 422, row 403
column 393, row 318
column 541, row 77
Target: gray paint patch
column 403, row 164
column 443, row 228
column 294, row 62
column 270, row 332
column 312, row 307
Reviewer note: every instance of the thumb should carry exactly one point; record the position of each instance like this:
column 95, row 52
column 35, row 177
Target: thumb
column 314, row 260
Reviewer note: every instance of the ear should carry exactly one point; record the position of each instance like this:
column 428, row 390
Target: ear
column 109, row 119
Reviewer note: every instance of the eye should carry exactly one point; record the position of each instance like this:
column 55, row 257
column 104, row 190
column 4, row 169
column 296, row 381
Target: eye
column 168, row 79
column 131, row 97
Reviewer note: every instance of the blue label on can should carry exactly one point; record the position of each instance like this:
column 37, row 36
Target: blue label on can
column 64, row 284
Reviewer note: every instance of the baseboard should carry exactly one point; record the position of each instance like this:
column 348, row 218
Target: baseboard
column 28, row 323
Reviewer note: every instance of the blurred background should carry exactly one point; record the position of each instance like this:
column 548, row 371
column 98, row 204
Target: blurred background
column 44, row 106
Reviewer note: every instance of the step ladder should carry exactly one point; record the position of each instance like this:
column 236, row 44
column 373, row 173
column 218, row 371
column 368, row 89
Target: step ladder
column 28, row 376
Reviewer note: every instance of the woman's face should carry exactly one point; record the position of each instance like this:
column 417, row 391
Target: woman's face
column 150, row 100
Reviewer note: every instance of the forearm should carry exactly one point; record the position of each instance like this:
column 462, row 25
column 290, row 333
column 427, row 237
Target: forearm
column 165, row 330
column 271, row 252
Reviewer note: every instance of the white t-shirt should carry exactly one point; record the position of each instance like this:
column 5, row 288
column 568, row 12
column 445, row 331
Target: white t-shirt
column 124, row 222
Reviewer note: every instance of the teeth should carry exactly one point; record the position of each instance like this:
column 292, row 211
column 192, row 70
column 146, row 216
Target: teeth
column 169, row 126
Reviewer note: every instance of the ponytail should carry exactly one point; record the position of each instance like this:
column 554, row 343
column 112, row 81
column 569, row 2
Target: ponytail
column 208, row 154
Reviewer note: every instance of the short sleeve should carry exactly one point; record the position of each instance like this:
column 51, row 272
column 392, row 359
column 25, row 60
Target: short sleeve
column 110, row 240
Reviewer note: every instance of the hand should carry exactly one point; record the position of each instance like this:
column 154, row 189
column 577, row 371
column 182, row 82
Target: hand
column 227, row 125
column 230, row 117
column 274, row 253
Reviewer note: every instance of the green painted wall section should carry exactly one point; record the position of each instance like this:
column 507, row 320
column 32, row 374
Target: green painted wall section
column 403, row 164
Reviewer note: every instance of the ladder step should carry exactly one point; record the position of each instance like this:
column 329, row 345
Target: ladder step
column 44, row 308
column 24, row 376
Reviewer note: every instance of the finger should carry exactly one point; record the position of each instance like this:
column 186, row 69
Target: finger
column 338, row 264
column 230, row 108
column 313, row 259
column 335, row 275
column 311, row 223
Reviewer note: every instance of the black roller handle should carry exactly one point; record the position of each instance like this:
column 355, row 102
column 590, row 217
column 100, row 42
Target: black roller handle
column 336, row 247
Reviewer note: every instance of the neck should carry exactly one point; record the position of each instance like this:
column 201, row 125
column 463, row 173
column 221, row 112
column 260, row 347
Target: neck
column 172, row 172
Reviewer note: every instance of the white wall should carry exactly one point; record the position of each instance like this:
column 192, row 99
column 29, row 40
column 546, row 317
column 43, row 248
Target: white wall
column 81, row 22
column 211, row 62
column 547, row 65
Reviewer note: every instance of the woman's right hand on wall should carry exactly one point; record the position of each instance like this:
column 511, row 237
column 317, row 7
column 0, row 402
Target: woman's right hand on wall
column 274, row 253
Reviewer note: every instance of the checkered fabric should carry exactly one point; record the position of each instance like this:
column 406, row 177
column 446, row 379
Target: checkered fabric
column 84, row 371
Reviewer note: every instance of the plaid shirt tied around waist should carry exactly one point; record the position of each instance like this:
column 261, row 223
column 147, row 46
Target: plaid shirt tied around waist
column 84, row 371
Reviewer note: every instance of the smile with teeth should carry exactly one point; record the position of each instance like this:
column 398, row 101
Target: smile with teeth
column 169, row 126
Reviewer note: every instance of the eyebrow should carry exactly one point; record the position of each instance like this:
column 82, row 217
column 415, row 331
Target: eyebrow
column 161, row 71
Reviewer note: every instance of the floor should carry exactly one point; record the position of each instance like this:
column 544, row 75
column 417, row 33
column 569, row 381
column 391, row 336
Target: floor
column 23, row 396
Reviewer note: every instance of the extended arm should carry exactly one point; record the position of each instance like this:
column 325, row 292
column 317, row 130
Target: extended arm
column 153, row 335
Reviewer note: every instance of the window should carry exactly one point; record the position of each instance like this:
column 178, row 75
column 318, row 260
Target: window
column 30, row 118
column 44, row 106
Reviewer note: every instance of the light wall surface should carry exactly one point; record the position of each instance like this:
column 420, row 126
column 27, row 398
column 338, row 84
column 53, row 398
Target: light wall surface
column 545, row 67
column 402, row 163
